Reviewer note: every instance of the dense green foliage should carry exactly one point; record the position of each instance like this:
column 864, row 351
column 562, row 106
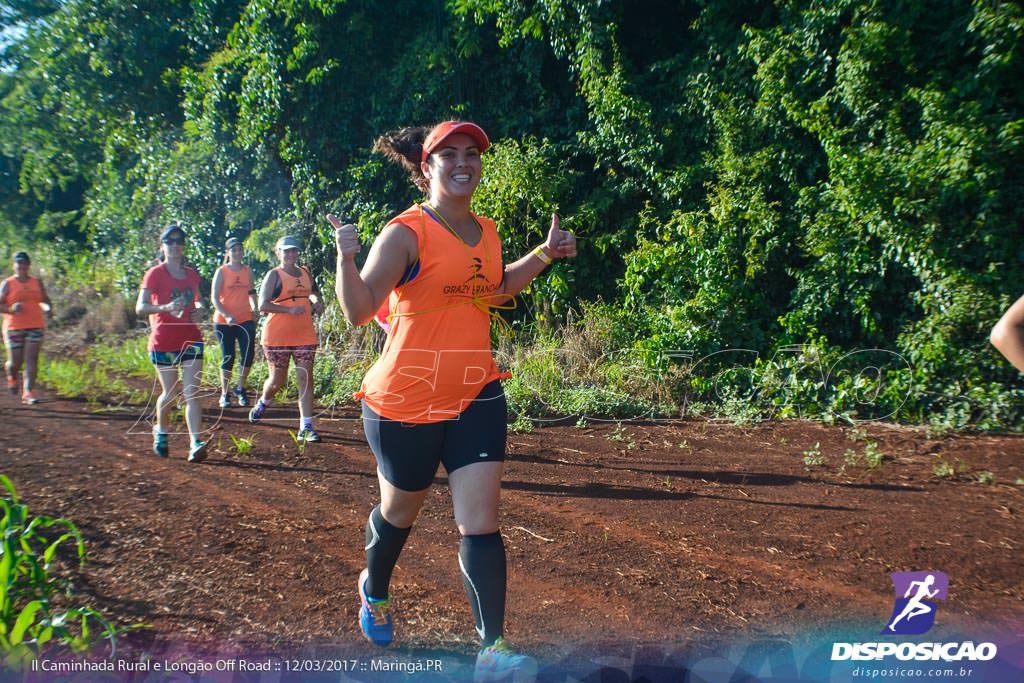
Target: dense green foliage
column 743, row 175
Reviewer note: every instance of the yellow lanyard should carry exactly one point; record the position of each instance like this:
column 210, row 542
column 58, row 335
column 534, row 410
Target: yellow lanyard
column 446, row 224
column 480, row 301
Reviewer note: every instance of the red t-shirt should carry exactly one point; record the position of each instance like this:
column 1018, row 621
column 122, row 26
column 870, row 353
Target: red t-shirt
column 169, row 333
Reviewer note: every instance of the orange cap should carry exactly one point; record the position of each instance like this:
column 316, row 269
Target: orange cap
column 443, row 130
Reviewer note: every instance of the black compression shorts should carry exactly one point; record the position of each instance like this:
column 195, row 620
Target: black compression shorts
column 408, row 454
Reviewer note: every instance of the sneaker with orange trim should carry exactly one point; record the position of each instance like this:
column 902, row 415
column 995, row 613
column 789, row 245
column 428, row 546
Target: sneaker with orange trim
column 28, row 399
column 374, row 615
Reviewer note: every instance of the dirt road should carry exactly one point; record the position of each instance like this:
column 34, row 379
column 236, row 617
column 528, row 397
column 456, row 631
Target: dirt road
column 685, row 532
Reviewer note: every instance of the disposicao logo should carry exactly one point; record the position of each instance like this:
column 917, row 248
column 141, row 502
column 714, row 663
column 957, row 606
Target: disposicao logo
column 916, row 592
column 913, row 614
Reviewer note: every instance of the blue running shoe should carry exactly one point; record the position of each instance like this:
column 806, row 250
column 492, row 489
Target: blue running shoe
column 374, row 615
column 160, row 444
column 242, row 396
column 309, row 435
column 499, row 662
column 257, row 412
column 198, row 452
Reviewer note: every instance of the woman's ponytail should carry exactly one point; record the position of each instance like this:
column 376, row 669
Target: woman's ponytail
column 405, row 147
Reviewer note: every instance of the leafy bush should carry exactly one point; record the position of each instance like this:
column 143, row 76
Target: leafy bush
column 759, row 176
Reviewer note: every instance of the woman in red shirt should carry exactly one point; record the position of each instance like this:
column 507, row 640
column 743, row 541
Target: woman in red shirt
column 433, row 396
column 23, row 300
column 234, row 298
column 170, row 297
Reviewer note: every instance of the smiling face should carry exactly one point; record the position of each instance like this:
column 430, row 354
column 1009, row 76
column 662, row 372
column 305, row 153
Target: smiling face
column 453, row 168
column 288, row 256
column 236, row 253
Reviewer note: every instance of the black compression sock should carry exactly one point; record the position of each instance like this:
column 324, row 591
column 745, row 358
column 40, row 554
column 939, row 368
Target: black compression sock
column 384, row 544
column 482, row 560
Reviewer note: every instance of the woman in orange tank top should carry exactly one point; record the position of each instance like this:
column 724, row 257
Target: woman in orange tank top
column 234, row 323
column 288, row 297
column 23, row 300
column 433, row 396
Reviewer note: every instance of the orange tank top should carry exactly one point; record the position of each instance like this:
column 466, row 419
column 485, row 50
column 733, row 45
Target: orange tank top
column 286, row 329
column 235, row 290
column 437, row 356
column 30, row 294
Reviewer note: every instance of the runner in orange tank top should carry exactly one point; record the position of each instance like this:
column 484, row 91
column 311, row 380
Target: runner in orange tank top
column 234, row 299
column 288, row 297
column 23, row 301
column 433, row 397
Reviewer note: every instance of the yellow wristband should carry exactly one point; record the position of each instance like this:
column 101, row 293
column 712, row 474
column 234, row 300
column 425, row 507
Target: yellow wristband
column 539, row 253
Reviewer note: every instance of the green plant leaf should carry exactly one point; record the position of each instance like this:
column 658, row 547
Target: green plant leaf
column 25, row 620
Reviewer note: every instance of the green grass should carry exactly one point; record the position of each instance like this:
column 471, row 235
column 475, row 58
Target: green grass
column 521, row 425
column 300, row 444
column 985, row 477
column 242, row 445
column 588, row 369
column 90, row 381
column 576, row 374
column 873, row 456
column 620, row 435
column 101, row 373
column 129, row 357
column 34, row 615
column 813, row 456
column 946, row 470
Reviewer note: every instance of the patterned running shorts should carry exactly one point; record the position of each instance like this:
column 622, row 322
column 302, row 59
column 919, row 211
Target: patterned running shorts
column 278, row 356
column 194, row 351
column 15, row 339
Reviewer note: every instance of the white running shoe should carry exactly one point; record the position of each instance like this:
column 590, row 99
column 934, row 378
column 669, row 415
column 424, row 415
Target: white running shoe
column 499, row 662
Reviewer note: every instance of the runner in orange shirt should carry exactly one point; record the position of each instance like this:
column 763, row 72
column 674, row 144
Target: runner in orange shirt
column 433, row 397
column 23, row 300
column 234, row 299
column 288, row 297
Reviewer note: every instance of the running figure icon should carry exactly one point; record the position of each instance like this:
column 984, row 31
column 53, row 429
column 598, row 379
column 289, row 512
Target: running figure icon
column 916, row 607
column 917, row 594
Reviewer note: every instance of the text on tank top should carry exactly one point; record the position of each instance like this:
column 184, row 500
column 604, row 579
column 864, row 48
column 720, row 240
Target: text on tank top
column 437, row 356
